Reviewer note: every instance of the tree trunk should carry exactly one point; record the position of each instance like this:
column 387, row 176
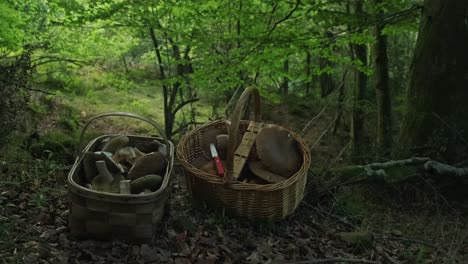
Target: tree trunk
column 162, row 77
column 382, row 89
column 357, row 136
column 285, row 83
column 437, row 111
column 326, row 79
column 308, row 67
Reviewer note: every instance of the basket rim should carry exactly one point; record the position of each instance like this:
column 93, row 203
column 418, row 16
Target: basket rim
column 182, row 157
column 136, row 198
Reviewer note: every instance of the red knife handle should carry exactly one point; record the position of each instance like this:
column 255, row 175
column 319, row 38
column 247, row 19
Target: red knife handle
column 219, row 166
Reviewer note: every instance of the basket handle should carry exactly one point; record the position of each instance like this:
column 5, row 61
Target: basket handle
column 125, row 114
column 233, row 130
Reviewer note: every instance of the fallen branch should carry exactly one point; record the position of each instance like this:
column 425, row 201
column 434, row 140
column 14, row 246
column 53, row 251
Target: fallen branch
column 399, row 171
column 39, row 90
column 333, row 260
column 445, row 169
column 413, row 240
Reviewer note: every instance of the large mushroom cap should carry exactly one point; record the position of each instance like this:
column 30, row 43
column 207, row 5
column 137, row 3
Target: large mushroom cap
column 152, row 163
column 278, row 150
column 115, row 143
column 145, row 147
column 259, row 170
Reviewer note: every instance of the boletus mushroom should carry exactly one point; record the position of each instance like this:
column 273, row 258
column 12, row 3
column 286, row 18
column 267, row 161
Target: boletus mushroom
column 151, row 182
column 115, row 143
column 152, row 163
column 259, row 170
column 278, row 150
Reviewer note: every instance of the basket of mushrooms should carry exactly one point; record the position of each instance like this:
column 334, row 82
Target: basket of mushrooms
column 246, row 167
column 119, row 184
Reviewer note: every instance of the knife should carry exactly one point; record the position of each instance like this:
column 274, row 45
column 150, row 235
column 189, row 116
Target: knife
column 218, row 164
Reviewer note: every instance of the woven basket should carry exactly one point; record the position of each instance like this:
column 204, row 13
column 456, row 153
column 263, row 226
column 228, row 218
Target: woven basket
column 269, row 202
column 107, row 216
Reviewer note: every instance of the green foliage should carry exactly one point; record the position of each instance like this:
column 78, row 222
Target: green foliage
column 14, row 78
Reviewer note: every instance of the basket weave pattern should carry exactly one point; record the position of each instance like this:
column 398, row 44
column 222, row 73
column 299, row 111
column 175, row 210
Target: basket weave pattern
column 270, row 201
column 106, row 216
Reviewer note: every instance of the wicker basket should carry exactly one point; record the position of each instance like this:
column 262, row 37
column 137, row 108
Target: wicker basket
column 269, row 202
column 106, row 216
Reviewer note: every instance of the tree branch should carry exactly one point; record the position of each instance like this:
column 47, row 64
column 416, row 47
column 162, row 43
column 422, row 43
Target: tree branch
column 48, row 59
column 182, row 104
column 178, row 130
column 291, row 12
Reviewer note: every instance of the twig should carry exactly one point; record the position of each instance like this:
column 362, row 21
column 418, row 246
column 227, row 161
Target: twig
column 450, row 127
column 184, row 103
column 323, row 134
column 315, row 118
column 418, row 241
column 265, row 38
column 385, row 255
column 333, row 260
column 342, row 220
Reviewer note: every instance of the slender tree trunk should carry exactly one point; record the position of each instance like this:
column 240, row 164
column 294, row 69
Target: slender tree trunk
column 382, row 88
column 308, row 67
column 326, row 79
column 162, row 77
column 357, row 136
column 436, row 121
column 124, row 61
column 285, row 83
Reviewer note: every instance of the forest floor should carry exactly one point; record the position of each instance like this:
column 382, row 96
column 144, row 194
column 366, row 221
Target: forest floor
column 407, row 223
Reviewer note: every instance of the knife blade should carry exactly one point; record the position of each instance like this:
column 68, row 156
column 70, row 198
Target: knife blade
column 218, row 164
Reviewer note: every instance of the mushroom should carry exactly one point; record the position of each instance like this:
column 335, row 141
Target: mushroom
column 113, row 166
column 262, row 172
column 152, row 163
column 221, row 145
column 151, row 182
column 89, row 166
column 128, row 154
column 115, row 143
column 208, row 137
column 278, row 150
column 153, row 146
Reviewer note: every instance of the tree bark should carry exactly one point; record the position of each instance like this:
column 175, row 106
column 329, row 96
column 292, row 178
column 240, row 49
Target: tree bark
column 382, row 89
column 326, row 79
column 285, row 83
column 308, row 71
column 437, row 96
column 162, row 77
column 357, row 136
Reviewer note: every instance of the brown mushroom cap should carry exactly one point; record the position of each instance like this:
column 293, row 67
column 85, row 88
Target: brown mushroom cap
column 262, row 172
column 152, row 163
column 148, row 147
column 278, row 150
column 115, row 143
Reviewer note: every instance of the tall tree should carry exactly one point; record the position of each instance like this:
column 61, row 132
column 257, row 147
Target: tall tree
column 437, row 111
column 382, row 88
column 357, row 120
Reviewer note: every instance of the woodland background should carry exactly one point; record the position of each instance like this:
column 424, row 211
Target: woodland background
column 366, row 81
